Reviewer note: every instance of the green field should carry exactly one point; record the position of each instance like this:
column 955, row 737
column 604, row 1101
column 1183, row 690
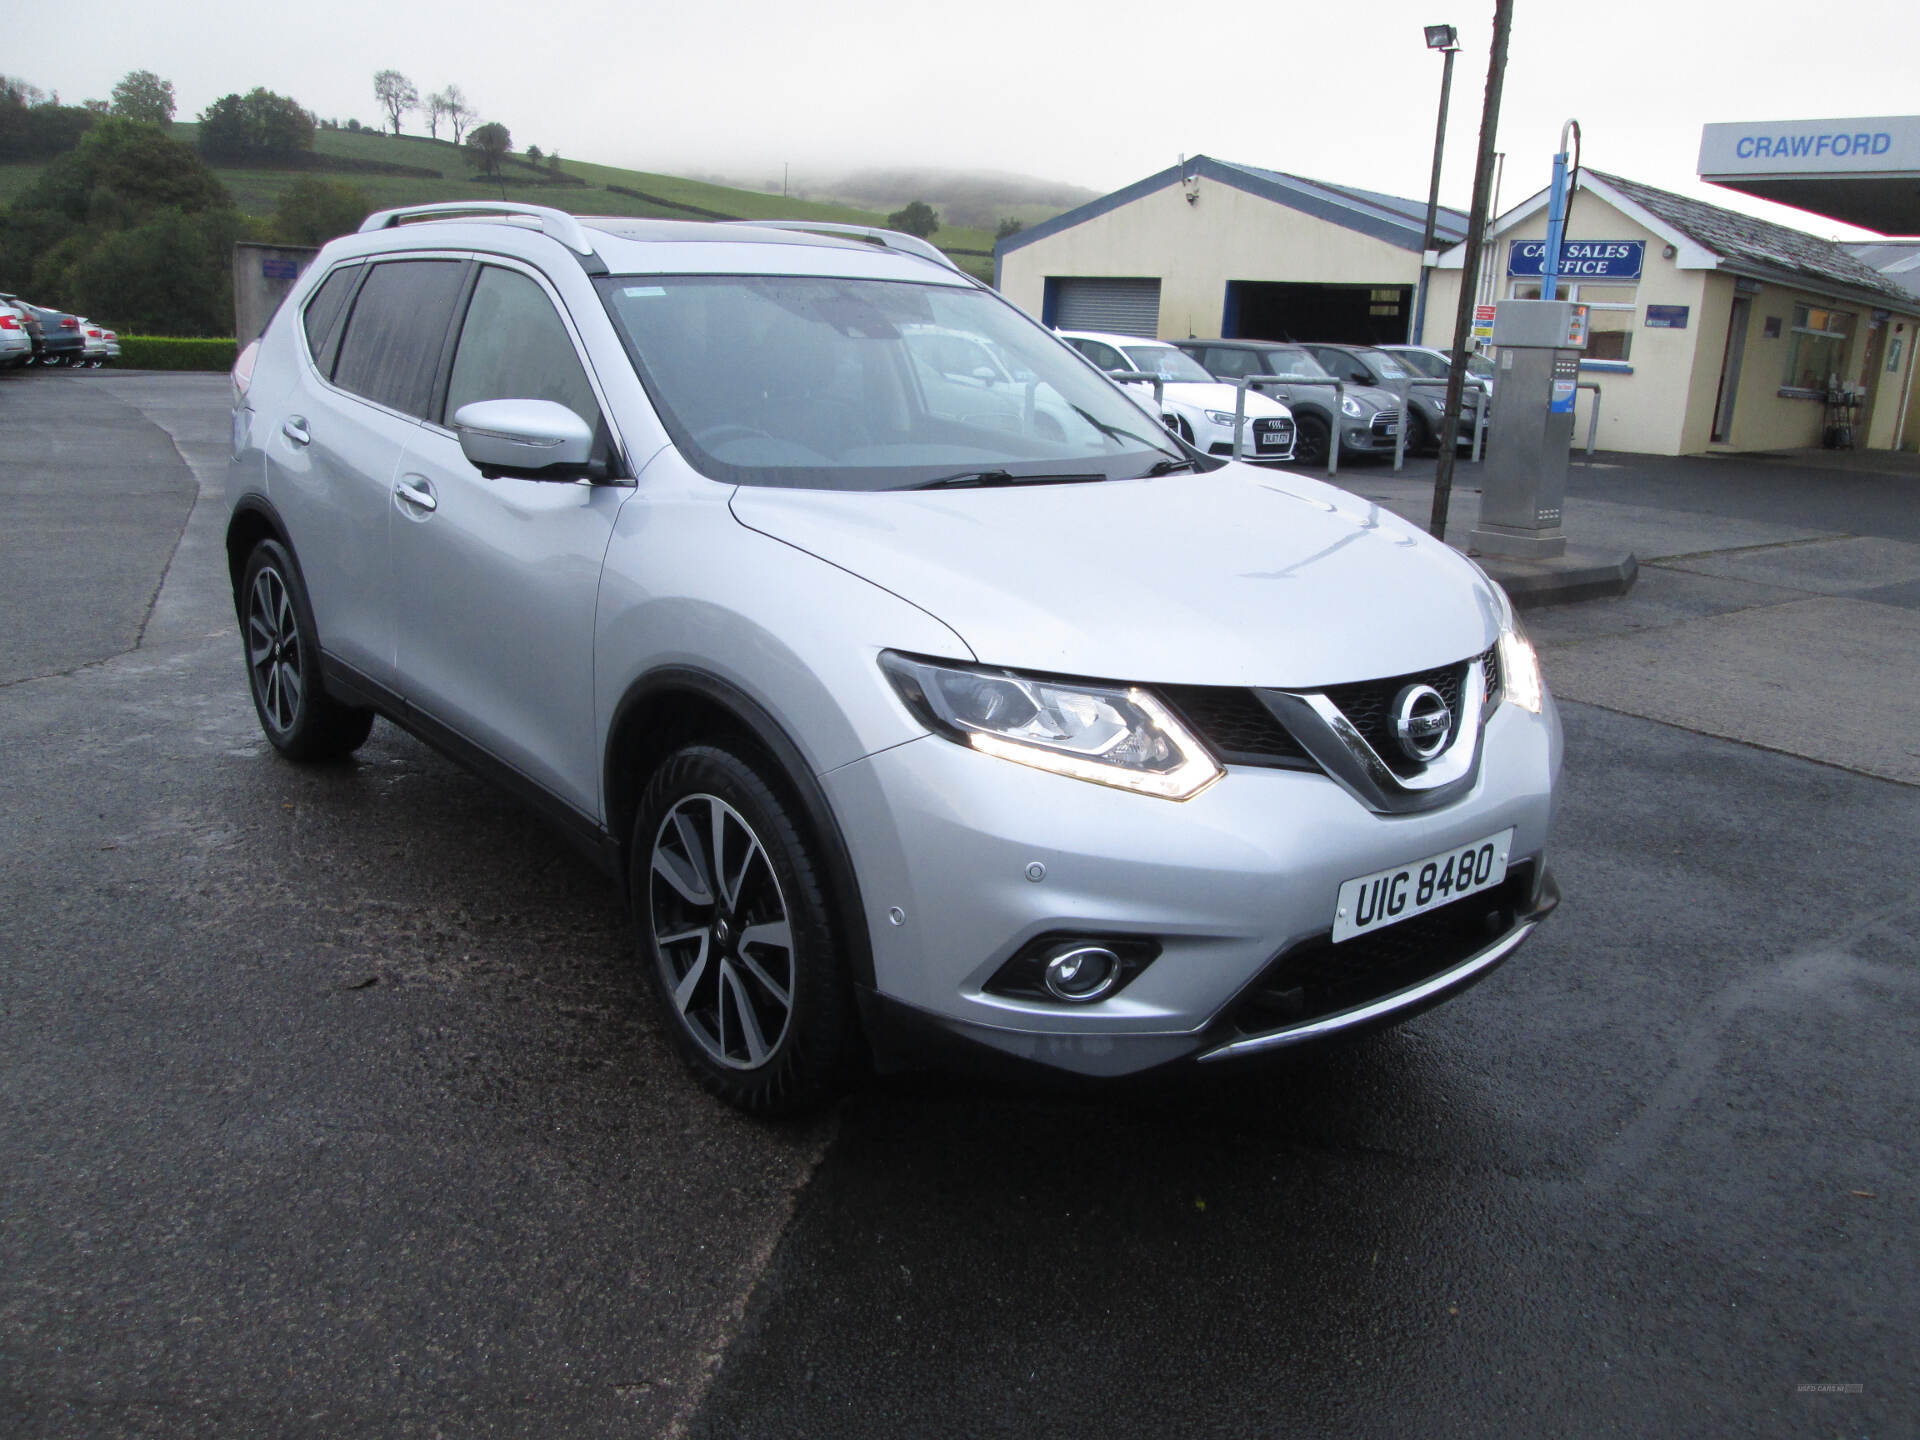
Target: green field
column 257, row 191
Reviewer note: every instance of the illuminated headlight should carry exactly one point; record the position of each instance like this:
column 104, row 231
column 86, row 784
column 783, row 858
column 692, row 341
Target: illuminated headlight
column 1520, row 679
column 1351, row 406
column 1111, row 735
column 1221, row 417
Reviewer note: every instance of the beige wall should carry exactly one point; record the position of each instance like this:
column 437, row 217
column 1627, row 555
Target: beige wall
column 1666, row 405
column 1194, row 250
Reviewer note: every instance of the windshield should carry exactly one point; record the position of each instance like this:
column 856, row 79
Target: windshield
column 1480, row 365
column 842, row 384
column 1389, row 368
column 1434, row 367
column 1296, row 365
column 1168, row 363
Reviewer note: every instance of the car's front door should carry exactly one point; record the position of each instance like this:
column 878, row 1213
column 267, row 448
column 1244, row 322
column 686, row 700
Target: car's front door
column 495, row 581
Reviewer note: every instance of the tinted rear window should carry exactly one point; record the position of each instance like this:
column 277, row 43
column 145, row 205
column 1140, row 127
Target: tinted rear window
column 391, row 349
column 325, row 307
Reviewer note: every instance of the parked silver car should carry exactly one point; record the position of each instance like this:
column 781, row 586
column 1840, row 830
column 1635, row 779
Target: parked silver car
column 1063, row 740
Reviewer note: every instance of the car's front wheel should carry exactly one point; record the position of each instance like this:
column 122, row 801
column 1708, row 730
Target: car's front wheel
column 1311, row 440
column 301, row 720
column 737, row 934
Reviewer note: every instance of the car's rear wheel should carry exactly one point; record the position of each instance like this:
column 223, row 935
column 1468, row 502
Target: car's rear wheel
column 737, row 935
column 300, row 719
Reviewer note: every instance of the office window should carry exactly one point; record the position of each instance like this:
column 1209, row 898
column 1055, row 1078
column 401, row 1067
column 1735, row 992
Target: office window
column 1816, row 346
column 1610, row 313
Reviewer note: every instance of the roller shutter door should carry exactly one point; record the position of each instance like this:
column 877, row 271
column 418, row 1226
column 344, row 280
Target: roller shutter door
column 1119, row 307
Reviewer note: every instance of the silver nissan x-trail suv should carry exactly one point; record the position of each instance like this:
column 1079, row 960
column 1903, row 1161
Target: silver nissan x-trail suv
column 911, row 705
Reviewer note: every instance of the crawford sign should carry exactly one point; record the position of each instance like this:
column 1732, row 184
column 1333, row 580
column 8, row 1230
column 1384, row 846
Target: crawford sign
column 1580, row 259
column 1811, row 147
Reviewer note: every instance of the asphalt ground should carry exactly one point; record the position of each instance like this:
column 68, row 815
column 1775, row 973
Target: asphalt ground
column 333, row 1106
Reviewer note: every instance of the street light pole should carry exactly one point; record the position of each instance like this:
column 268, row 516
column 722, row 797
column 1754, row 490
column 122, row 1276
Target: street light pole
column 1445, row 39
column 1470, row 265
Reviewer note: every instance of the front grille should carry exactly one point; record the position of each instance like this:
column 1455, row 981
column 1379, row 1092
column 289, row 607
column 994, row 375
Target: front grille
column 1383, row 421
column 1235, row 725
column 1238, row 727
column 1317, row 977
column 1369, row 705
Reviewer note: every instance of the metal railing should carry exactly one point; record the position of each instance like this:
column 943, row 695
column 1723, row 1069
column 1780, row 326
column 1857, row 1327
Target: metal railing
column 1274, row 382
column 1479, row 398
column 1593, row 420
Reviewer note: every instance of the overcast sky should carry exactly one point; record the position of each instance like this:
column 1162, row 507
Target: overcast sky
column 1096, row 94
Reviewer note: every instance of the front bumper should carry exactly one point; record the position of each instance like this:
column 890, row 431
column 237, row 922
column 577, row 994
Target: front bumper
column 1265, row 439
column 1228, row 885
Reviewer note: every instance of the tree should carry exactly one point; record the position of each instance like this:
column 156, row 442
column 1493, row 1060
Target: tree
column 313, row 211
column 458, row 112
column 553, row 161
column 490, row 143
column 533, row 154
column 15, row 91
column 396, row 95
column 435, row 109
column 254, row 126
column 1009, row 228
column 143, row 95
column 917, row 219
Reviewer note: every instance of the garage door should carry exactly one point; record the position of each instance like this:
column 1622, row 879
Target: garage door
column 1121, row 307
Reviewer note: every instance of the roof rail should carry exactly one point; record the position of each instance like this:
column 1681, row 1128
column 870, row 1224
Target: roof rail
column 872, row 234
column 557, row 223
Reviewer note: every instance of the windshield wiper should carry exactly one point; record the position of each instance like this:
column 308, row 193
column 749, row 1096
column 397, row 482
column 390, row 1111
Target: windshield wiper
column 1168, row 467
column 982, row 479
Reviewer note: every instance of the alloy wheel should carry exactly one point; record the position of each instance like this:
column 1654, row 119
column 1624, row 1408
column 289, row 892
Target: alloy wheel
column 722, row 934
column 273, row 650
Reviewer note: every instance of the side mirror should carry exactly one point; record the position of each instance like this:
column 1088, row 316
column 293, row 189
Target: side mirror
column 525, row 439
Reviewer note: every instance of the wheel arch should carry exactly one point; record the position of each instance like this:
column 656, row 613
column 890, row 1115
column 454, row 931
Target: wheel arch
column 677, row 705
column 254, row 519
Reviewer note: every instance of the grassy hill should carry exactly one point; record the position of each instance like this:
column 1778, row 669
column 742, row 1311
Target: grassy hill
column 256, row 191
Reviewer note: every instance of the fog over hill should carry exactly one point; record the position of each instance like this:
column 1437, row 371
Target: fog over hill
column 974, row 198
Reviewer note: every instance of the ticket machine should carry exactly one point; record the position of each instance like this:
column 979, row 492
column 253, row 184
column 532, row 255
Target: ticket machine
column 1528, row 444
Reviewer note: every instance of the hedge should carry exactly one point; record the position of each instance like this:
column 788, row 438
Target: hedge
column 169, row 352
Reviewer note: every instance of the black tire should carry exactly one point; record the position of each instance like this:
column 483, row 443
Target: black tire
column 1312, row 438
column 1419, row 433
column 722, row 991
column 282, row 653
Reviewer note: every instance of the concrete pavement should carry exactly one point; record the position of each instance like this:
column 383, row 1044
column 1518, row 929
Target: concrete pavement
column 332, row 1107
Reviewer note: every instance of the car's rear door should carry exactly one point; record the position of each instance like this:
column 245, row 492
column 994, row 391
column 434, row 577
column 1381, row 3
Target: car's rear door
column 374, row 334
column 495, row 581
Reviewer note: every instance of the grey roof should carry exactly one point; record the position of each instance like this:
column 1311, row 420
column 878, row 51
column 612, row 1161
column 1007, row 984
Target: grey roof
column 1449, row 225
column 1397, row 221
column 1759, row 243
column 1898, row 260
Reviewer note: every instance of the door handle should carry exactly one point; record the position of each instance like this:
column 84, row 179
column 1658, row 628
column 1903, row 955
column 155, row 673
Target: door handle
column 294, row 427
column 416, row 491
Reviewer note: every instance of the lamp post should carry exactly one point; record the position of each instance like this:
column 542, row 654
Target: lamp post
column 1446, row 40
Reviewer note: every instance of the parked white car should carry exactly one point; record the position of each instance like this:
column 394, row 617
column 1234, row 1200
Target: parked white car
column 1193, row 404
column 98, row 344
column 16, row 341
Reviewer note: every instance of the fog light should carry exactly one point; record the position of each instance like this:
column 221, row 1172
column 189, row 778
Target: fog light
column 1080, row 973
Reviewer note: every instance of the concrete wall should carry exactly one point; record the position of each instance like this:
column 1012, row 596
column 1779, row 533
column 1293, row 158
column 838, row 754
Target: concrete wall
column 1194, row 250
column 262, row 276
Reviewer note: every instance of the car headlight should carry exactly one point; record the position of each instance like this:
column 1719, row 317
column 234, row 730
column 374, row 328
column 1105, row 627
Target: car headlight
column 1220, row 417
column 1351, row 406
column 1521, row 680
column 1110, row 735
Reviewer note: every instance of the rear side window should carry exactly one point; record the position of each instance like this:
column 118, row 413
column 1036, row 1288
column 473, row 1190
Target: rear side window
column 323, row 312
column 1231, row 364
column 513, row 346
column 391, row 350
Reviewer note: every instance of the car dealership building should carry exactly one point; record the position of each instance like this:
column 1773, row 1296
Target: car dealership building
column 1710, row 329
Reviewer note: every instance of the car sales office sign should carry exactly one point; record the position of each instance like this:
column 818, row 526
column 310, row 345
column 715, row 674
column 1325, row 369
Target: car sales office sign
column 1580, row 259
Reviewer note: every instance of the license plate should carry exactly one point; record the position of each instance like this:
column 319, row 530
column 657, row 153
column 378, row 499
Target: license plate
column 1271, row 441
column 1387, row 897
column 1389, row 430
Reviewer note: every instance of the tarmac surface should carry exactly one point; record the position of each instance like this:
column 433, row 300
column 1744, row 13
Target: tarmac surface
column 334, row 1107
